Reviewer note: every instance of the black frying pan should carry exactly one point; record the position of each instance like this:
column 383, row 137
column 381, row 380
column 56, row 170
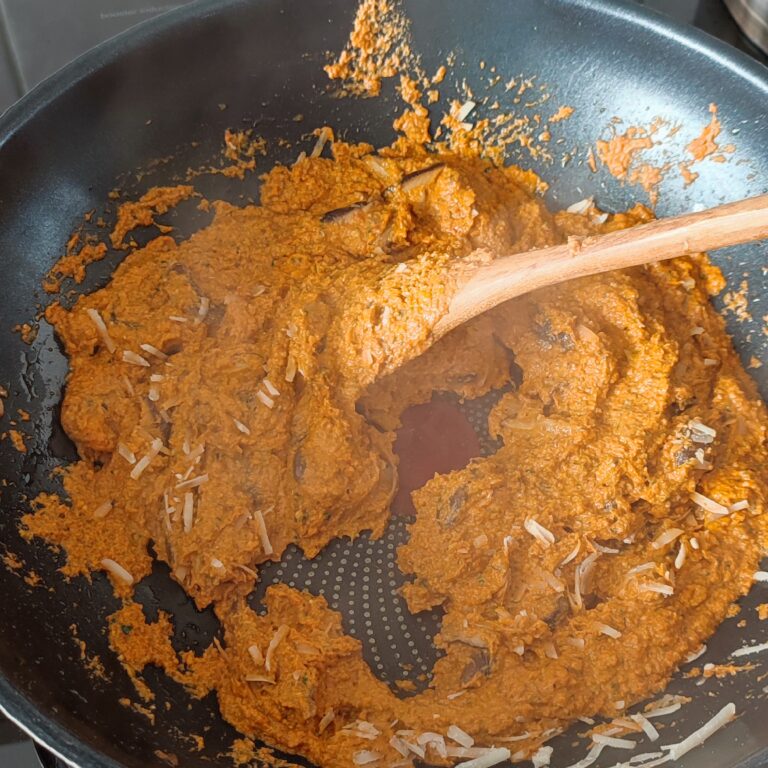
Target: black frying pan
column 147, row 95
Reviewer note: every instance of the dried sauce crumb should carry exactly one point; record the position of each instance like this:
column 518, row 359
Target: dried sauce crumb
column 241, row 148
column 737, row 303
column 27, row 331
column 33, row 579
column 648, row 177
column 17, row 440
column 618, row 153
column 378, row 48
column 141, row 213
column 705, row 144
column 81, row 251
column 439, row 76
column 12, row 562
column 563, row 113
column 724, row 670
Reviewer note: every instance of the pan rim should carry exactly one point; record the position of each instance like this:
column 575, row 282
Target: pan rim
column 46, row 731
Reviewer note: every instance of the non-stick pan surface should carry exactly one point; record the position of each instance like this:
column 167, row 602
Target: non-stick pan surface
column 148, row 95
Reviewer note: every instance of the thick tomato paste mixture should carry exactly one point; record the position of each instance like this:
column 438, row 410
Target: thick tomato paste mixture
column 238, row 392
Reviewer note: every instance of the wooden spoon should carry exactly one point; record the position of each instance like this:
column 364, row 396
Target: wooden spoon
column 510, row 276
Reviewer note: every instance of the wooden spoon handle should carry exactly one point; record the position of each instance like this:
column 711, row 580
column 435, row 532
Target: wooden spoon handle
column 516, row 274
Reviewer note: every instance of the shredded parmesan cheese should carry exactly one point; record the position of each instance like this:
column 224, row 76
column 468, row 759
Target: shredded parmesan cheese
column 539, row 532
column 277, row 638
column 361, row 729
column 266, row 544
column 581, row 580
column 723, row 717
column 256, row 654
column 134, row 359
column 680, row 558
column 242, row 427
column 146, row 460
column 103, row 510
column 101, row 327
column 464, row 110
column 612, row 741
column 700, row 432
column 667, row 537
column 541, row 757
column 326, row 720
column 202, row 313
column 582, row 206
column 117, row 570
column 748, row 650
column 646, row 725
column 290, row 368
column 709, row 505
column 590, row 758
column 606, row 629
column 491, row 757
column 663, row 711
column 434, row 740
column 188, row 513
column 154, row 351
column 270, row 387
column 696, row 654
column 322, row 139
column 399, row 745
column 572, row 555
column 266, row 399
column 193, row 482
column 459, row 736
column 661, row 589
column 259, row 679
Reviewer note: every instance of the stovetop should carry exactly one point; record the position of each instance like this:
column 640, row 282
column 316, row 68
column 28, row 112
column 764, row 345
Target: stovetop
column 37, row 37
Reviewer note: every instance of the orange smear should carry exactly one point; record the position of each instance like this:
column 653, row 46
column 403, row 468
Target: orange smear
column 562, row 114
column 439, row 75
column 705, row 144
column 618, row 153
column 688, row 175
column 648, row 177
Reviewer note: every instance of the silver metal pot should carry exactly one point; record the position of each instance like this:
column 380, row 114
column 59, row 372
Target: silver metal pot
column 752, row 17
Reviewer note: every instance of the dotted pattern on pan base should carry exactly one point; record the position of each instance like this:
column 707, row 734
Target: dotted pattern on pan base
column 360, row 579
